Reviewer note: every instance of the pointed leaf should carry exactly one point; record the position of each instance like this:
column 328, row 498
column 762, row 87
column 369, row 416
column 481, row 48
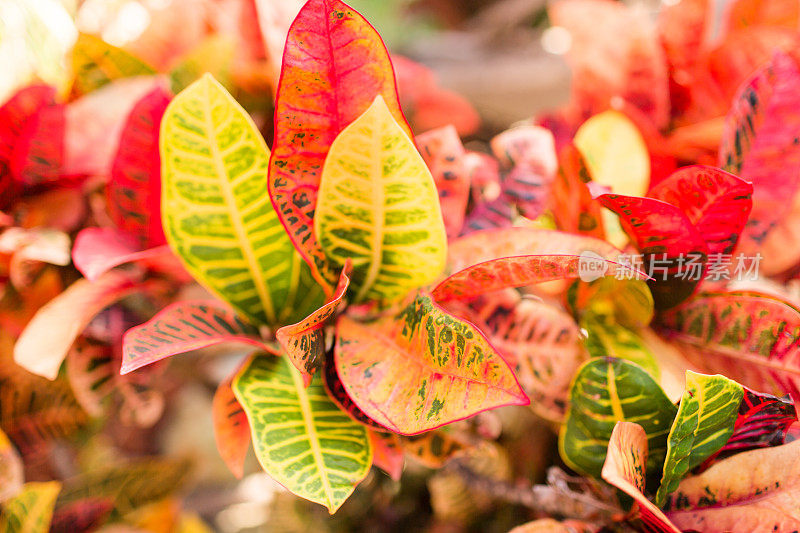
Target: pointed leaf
column 31, row 510
column 387, row 453
column 606, row 391
column 231, row 430
column 625, row 468
column 183, row 327
column 134, row 191
column 716, row 202
column 216, row 216
column 422, row 369
column 750, row 337
column 12, row 475
column 670, row 245
column 334, row 65
column 704, row 423
column 752, row 491
column 46, row 340
column 304, row 342
column 378, row 206
column 96, row 63
column 301, row 438
column 758, row 144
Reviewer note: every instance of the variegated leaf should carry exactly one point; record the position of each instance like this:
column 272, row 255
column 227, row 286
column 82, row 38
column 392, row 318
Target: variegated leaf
column 231, row 430
column 628, row 301
column 434, row 448
column 300, row 437
column 339, row 396
column 571, row 202
column 387, row 453
column 377, row 206
column 216, row 216
column 606, row 391
column 334, row 65
column 183, row 327
column 96, row 63
column 31, row 510
column 604, row 336
column 421, row 369
column 704, row 423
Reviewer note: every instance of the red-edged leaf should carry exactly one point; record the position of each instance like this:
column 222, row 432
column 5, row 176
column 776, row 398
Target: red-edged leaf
column 444, row 155
column 716, row 202
column 304, row 342
column 334, row 65
column 81, row 516
column 421, row 369
column 571, row 203
column 749, row 337
column 387, row 453
column 48, row 337
column 134, row 191
column 763, row 421
column 671, row 245
column 231, row 429
column 490, row 260
column 339, row 395
column 183, row 327
column 761, row 144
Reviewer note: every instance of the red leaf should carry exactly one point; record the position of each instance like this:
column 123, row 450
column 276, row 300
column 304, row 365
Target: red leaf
column 571, row 203
column 716, row 202
column 134, row 191
column 334, row 65
column 39, row 152
column 81, row 516
column 304, row 342
column 387, row 453
column 182, row 327
column 667, row 240
column 231, row 429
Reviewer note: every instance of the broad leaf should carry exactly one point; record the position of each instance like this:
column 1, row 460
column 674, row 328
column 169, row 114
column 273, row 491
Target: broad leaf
column 704, row 423
column 377, row 206
column 46, row 340
column 12, row 475
column 490, row 260
column 339, row 396
column 758, row 144
column 216, row 216
column 334, row 65
column 96, row 63
column 434, row 448
column 715, row 202
column 749, row 337
column 304, row 342
column 606, row 391
column 421, row 369
column 98, row 250
column 387, row 453
column 628, row 301
column 674, row 252
column 31, row 510
column 752, row 491
column 231, row 430
column 134, row 190
column 300, row 437
column 604, row 336
column 183, row 327
column 625, row 468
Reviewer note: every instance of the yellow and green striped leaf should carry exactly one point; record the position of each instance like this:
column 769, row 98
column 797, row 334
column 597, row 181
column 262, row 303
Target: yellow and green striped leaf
column 31, row 510
column 604, row 336
column 96, row 63
column 705, row 421
column 301, row 438
column 606, row 391
column 217, row 215
column 378, row 206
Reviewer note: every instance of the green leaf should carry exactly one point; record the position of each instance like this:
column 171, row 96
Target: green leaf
column 629, row 301
column 96, row 63
column 605, row 337
column 217, row 214
column 378, row 206
column 606, row 391
column 301, row 438
column 704, row 423
column 31, row 510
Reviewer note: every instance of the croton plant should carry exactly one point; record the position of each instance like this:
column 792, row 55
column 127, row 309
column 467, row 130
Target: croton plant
column 601, row 265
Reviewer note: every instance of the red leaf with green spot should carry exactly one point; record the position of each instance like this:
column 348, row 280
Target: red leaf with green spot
column 182, row 327
column 334, row 65
column 761, row 144
column 339, row 396
column 667, row 240
column 387, row 453
column 304, row 342
column 716, row 202
column 749, row 337
column 134, row 191
column 421, row 369
column 231, row 429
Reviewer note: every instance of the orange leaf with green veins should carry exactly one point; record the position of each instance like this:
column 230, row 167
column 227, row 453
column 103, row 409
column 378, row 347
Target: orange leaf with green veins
column 231, row 430
column 334, row 64
column 625, row 468
column 422, row 369
column 387, row 453
column 304, row 342
column 378, row 207
column 757, row 490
